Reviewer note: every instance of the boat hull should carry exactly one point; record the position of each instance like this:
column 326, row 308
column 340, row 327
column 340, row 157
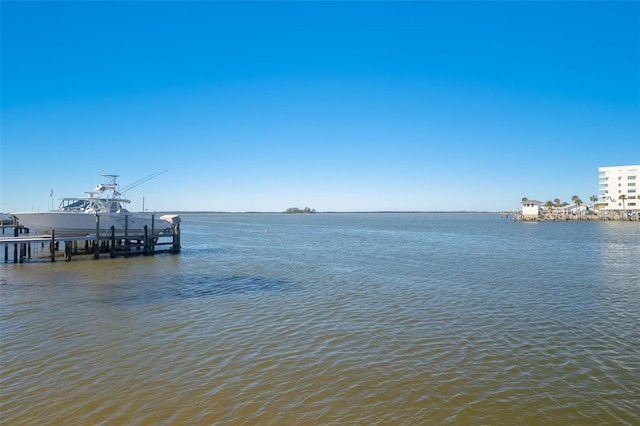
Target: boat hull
column 76, row 224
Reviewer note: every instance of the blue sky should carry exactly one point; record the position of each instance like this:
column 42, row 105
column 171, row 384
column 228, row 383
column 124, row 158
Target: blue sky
column 338, row 106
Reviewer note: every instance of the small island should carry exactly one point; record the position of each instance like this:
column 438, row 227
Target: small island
column 299, row 210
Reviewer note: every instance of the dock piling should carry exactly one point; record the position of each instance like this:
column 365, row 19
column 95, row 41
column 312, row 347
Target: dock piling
column 96, row 242
column 53, row 245
column 112, row 249
column 68, row 249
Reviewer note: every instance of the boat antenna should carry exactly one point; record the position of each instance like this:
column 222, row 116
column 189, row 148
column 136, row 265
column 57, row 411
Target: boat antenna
column 141, row 181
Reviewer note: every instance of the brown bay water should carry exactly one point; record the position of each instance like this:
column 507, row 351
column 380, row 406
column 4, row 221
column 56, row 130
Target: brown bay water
column 333, row 319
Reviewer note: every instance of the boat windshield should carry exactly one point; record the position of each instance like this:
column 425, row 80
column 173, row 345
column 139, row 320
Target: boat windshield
column 92, row 205
column 73, row 204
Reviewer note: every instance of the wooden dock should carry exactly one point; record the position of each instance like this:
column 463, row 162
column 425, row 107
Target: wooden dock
column 93, row 245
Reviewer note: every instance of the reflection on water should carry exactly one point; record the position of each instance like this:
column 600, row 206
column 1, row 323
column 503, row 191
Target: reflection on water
column 333, row 319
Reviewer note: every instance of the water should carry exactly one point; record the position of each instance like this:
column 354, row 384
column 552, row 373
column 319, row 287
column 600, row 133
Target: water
column 333, row 319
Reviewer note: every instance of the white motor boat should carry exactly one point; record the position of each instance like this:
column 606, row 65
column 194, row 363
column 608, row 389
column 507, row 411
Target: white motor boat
column 97, row 211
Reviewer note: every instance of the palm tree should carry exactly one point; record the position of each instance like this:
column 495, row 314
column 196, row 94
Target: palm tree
column 577, row 202
column 594, row 200
column 623, row 198
column 548, row 208
column 556, row 201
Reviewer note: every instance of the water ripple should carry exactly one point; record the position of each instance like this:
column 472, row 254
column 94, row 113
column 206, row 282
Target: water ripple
column 348, row 319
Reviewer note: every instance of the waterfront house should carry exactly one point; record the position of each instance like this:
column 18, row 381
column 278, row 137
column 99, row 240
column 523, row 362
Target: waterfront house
column 581, row 210
column 531, row 209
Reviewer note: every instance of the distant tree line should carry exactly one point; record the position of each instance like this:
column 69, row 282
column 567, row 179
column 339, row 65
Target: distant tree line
column 576, row 200
column 556, row 203
column 298, row 210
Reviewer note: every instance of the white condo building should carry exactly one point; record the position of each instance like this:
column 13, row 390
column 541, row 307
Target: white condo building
column 617, row 181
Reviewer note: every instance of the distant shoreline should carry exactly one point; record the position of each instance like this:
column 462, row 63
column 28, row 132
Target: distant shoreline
column 330, row 212
column 160, row 212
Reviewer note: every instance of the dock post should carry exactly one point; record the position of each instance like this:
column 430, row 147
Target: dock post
column 15, row 245
column 112, row 252
column 68, row 245
column 154, row 238
column 145, row 250
column 96, row 243
column 176, row 238
column 152, row 244
column 53, row 245
column 127, row 242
